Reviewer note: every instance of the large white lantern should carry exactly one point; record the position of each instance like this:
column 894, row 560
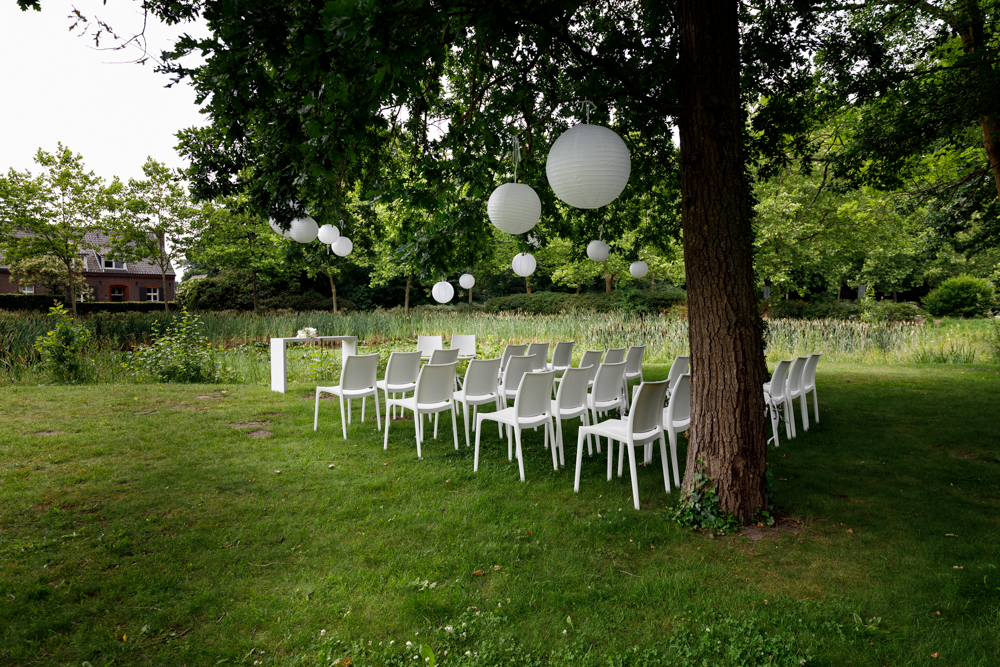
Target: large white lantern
column 638, row 269
column 598, row 251
column 467, row 281
column 277, row 228
column 442, row 292
column 328, row 234
column 304, row 230
column 343, row 247
column 514, row 208
column 523, row 264
column 588, row 166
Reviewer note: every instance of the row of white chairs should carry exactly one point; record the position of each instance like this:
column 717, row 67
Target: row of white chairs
column 792, row 379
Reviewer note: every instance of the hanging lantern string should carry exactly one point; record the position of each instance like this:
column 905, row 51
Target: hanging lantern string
column 516, row 153
column 600, row 234
column 587, row 106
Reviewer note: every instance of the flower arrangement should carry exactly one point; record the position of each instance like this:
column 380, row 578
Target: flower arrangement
column 307, row 332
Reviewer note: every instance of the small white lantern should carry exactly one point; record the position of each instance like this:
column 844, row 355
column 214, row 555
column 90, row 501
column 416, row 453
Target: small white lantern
column 598, row 251
column 514, row 208
column 304, row 230
column 638, row 269
column 442, row 292
column 343, row 247
column 277, row 228
column 467, row 281
column 329, row 234
column 523, row 264
column 588, row 166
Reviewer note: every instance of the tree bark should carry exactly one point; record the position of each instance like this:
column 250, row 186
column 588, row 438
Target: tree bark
column 652, row 283
column 991, row 142
column 406, row 300
column 607, row 279
column 727, row 415
column 527, row 285
column 163, row 268
column 333, row 290
column 71, row 282
column 470, row 296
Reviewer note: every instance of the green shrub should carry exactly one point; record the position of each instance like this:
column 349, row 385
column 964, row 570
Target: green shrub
column 181, row 353
column 890, row 311
column 37, row 302
column 819, row 309
column 62, row 348
column 964, row 296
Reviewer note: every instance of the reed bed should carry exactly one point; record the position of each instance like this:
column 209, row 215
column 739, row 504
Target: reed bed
column 238, row 337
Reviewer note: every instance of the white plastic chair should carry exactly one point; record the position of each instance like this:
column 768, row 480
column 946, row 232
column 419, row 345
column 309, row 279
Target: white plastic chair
column 644, row 425
column 615, row 355
column 570, row 403
column 679, row 367
column 400, row 376
column 809, row 383
column 606, row 394
column 562, row 356
column 435, row 393
column 776, row 401
column 633, row 367
column 508, row 352
column 427, row 344
column 677, row 417
column 532, row 408
column 793, row 390
column 512, row 374
column 592, row 360
column 357, row 380
column 480, row 388
column 465, row 344
column 540, row 350
column 439, row 357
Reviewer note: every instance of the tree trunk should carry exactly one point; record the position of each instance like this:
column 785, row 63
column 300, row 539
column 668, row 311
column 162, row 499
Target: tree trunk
column 991, row 142
column 163, row 276
column 895, row 296
column 470, row 296
column 406, row 301
column 727, row 416
column 333, row 290
column 652, row 283
column 71, row 283
column 163, row 268
column 527, row 285
column 607, row 280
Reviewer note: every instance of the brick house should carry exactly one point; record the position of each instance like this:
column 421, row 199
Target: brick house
column 110, row 279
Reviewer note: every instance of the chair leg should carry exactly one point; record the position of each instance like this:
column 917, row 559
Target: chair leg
column 559, row 439
column 804, row 409
column 772, row 413
column 389, row 406
column 436, row 415
column 465, row 416
column 579, row 460
column 510, row 442
column 635, row 477
column 343, row 424
column 499, row 425
column 418, row 427
column 378, row 417
column 788, row 428
column 520, row 453
column 454, row 425
column 597, row 437
column 555, row 444
column 621, row 455
column 364, row 399
column 663, row 460
column 348, row 412
column 475, row 457
column 316, row 413
column 815, row 405
column 590, row 440
column 673, row 456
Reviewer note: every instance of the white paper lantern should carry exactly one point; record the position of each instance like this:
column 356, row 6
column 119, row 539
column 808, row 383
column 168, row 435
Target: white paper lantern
column 329, row 234
column 598, row 251
column 442, row 292
column 638, row 269
column 588, row 166
column 467, row 281
column 343, row 247
column 304, row 230
column 523, row 264
column 277, row 228
column 514, row 208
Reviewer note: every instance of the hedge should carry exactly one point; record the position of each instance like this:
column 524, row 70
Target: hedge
column 42, row 303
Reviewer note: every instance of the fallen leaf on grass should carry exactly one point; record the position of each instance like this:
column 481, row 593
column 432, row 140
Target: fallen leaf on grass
column 496, row 567
column 385, row 464
column 957, row 567
column 850, row 530
column 477, row 573
column 934, row 655
column 950, row 535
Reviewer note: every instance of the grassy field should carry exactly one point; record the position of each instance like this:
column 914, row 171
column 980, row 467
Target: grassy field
column 204, row 525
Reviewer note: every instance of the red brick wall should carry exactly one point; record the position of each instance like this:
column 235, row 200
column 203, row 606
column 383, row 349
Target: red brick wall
column 101, row 284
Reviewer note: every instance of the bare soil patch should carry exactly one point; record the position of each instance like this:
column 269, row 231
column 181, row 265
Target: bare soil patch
column 260, row 434
column 46, row 432
column 242, row 425
column 783, row 526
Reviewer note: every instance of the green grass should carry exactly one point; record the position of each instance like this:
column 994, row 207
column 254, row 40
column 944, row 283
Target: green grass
column 138, row 527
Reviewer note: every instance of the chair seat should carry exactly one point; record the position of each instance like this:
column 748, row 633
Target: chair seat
column 476, row 399
column 507, row 416
column 568, row 413
column 617, row 429
column 347, row 393
column 679, row 424
column 396, row 388
column 410, row 403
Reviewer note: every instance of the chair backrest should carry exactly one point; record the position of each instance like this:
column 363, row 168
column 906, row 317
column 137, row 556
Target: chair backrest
column 614, row 355
column 794, row 383
column 647, row 409
column 439, row 357
column 677, row 369
column 465, row 344
column 809, row 374
column 633, row 359
column 534, row 394
column 540, row 350
column 608, row 383
column 481, row 377
column 515, row 370
column 592, row 359
column 436, row 383
column 679, row 406
column 427, row 344
column 403, row 368
column 359, row 371
column 573, row 388
column 778, row 379
column 511, row 351
column 562, row 354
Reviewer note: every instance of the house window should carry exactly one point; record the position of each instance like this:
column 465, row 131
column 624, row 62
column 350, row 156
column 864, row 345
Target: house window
column 152, row 294
column 113, row 264
column 26, row 289
column 118, row 293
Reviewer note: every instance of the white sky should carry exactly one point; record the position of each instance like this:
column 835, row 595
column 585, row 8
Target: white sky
column 55, row 86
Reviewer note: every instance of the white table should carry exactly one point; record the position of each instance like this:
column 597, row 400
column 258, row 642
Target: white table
column 279, row 360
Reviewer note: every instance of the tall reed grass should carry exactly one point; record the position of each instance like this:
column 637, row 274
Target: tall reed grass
column 664, row 336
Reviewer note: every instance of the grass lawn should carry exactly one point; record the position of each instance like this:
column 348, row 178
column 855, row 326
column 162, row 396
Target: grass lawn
column 140, row 526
